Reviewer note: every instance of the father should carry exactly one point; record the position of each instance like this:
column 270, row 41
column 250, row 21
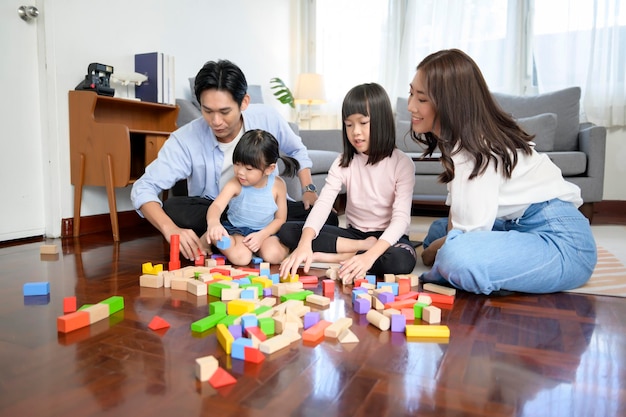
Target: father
column 201, row 152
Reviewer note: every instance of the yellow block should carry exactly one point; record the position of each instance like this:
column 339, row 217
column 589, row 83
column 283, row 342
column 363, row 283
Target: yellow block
column 148, row 269
column 416, row 330
column 265, row 282
column 290, row 278
column 239, row 307
column 225, row 338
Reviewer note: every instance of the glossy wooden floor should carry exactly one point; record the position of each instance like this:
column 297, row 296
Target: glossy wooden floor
column 516, row 355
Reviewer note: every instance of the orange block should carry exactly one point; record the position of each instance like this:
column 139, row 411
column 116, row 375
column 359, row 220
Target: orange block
column 404, row 285
column 408, row 295
column 72, row 321
column 408, row 313
column 359, row 281
column 309, row 279
column 315, row 332
column 223, row 271
column 69, row 305
column 257, row 333
column 253, row 355
column 158, row 323
column 221, row 378
column 399, row 305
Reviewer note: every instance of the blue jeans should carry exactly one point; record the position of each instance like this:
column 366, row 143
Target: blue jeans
column 549, row 249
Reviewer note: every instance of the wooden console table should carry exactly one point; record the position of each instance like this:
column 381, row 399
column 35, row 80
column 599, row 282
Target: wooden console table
column 112, row 140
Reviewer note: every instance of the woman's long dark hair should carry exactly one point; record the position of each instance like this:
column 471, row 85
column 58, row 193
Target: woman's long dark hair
column 469, row 117
column 259, row 149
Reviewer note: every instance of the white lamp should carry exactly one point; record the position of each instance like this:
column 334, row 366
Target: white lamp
column 310, row 90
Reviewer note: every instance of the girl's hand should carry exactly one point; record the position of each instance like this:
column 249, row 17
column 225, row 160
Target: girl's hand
column 291, row 263
column 215, row 233
column 253, row 241
column 355, row 267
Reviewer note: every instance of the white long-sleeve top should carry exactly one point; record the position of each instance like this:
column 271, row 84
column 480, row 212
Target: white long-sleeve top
column 379, row 197
column 476, row 204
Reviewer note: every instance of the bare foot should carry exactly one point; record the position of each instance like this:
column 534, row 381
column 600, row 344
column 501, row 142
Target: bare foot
column 368, row 243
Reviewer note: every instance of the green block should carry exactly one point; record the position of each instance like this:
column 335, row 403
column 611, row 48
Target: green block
column 84, row 306
column 300, row 295
column 417, row 309
column 261, row 310
column 267, row 326
column 207, row 323
column 217, row 307
column 116, row 303
column 216, row 288
column 228, row 320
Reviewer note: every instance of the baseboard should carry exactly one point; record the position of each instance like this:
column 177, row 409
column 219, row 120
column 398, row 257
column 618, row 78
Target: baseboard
column 102, row 223
column 609, row 212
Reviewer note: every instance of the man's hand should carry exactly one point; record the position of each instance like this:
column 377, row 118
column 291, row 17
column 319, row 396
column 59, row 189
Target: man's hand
column 309, row 198
column 190, row 245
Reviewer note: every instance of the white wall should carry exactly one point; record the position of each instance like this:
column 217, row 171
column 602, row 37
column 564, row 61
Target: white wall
column 257, row 36
column 260, row 36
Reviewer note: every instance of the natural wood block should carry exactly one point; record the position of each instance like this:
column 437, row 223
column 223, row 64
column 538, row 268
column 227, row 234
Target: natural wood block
column 318, row 300
column 275, row 344
column 206, row 367
column 335, row 329
column 197, row 288
column 439, row 289
column 378, row 319
column 431, row 314
column 347, row 336
column 48, row 249
column 97, row 312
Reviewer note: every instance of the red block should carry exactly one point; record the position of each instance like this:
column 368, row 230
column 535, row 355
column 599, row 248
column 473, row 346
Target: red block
column 158, row 323
column 223, row 271
column 399, row 305
column 256, row 332
column 69, row 304
column 408, row 313
column 253, row 355
column 309, row 279
column 440, row 298
column 409, row 295
column 199, row 260
column 315, row 332
column 358, row 282
column 328, row 286
column 72, row 321
column 404, row 285
column 221, row 378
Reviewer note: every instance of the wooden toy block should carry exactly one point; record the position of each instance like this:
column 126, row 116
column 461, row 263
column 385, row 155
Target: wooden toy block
column 299, row 295
column 206, row 323
column 358, row 282
column 264, row 265
column 378, row 319
column 391, row 311
column 347, row 336
column 335, row 329
column 416, row 330
column 36, row 288
column 221, row 271
column 167, row 278
column 275, row 344
column 97, row 312
column 369, row 286
column 151, row 281
column 265, row 282
column 377, row 304
column 217, row 307
column 386, row 297
column 431, row 314
column 408, row 313
column 149, row 269
column 290, row 278
column 197, row 288
column 223, row 243
column 179, row 283
column 267, row 326
column 398, row 323
column 399, row 305
column 240, row 307
column 69, row 304
column 362, row 305
column 229, row 294
column 215, row 289
column 256, row 332
column 315, row 332
column 439, row 289
column 280, row 321
column 440, row 298
column 310, row 319
column 292, row 326
column 268, row 301
column 332, row 273
column 292, row 335
column 249, row 320
column 157, row 323
column 389, row 278
column 308, row 280
column 263, row 312
column 318, row 300
column 424, row 299
column 210, row 263
column 224, row 337
column 206, row 367
column 235, row 330
column 293, row 318
column 404, row 285
column 115, row 303
column 72, row 321
column 253, row 355
column 221, row 378
column 393, row 285
column 48, row 249
column 199, row 261
column 418, row 309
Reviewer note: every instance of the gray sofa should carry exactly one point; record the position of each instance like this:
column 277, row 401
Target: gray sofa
column 578, row 149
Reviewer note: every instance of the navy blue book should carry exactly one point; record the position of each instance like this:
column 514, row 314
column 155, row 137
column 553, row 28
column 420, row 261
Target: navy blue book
column 151, row 65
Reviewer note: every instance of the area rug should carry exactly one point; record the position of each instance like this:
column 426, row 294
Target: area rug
column 609, row 277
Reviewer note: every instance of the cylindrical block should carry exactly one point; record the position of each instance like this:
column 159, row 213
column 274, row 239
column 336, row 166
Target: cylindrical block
column 378, row 319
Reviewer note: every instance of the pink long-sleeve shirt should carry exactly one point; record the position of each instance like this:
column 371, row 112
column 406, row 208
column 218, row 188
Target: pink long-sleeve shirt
column 379, row 197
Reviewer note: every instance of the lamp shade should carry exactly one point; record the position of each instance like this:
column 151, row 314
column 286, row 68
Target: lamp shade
column 310, row 89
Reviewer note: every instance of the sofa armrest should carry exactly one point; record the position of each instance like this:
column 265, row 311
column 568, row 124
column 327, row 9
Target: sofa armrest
column 188, row 112
column 592, row 141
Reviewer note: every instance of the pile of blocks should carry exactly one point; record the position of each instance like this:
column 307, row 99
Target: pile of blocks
column 87, row 314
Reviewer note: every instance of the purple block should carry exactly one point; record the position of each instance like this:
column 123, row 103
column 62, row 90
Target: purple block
column 235, row 330
column 356, row 291
column 362, row 305
column 398, row 323
column 311, row 319
column 386, row 297
column 267, row 292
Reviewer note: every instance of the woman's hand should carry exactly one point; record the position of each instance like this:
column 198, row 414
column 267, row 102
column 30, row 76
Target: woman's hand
column 303, row 253
column 355, row 267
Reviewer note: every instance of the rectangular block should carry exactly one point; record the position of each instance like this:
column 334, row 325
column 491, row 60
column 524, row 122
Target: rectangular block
column 362, row 305
column 48, row 249
column 275, row 344
column 238, row 351
column 197, row 288
column 97, row 312
column 240, row 307
column 36, row 288
column 335, row 329
column 318, row 300
column 115, row 303
column 393, row 285
column 440, row 298
column 398, row 323
column 217, row 307
column 206, row 367
column 431, row 314
column 439, row 289
column 206, row 323
column 72, row 321
column 69, row 304
column 224, row 337
column 415, row 330
column 315, row 332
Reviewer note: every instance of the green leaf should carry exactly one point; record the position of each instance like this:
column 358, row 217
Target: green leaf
column 283, row 93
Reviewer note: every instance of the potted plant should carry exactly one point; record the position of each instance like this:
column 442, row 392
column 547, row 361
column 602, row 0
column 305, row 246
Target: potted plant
column 282, row 93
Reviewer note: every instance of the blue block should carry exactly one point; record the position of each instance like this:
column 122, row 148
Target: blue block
column 371, row 279
column 36, row 300
column 249, row 320
column 238, row 347
column 275, row 278
column 247, row 295
column 356, row 291
column 37, row 288
column 243, row 281
column 264, row 273
column 393, row 285
column 256, row 260
column 223, row 243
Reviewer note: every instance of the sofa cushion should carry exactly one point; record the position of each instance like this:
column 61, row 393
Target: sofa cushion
column 564, row 103
column 323, row 139
column 570, row 163
column 543, row 126
column 404, row 142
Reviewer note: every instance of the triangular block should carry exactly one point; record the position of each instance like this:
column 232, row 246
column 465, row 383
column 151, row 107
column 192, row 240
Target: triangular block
column 221, row 378
column 158, row 323
column 348, row 337
column 253, row 355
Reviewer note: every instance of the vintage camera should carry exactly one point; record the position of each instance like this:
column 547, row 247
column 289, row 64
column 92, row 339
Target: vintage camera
column 98, row 79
